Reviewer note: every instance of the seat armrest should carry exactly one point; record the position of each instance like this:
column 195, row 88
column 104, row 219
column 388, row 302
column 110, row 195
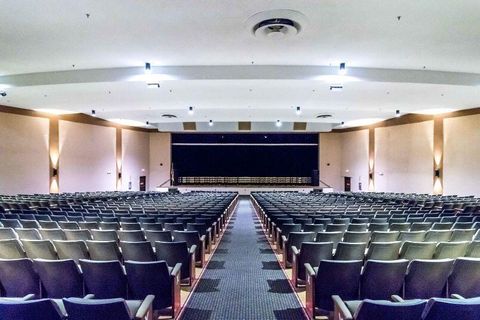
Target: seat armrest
column 310, row 292
column 89, row 296
column 145, row 307
column 176, row 269
column 309, row 270
column 202, row 238
column 193, row 249
column 295, row 251
column 341, row 311
column 457, row 296
column 29, row 296
column 397, row 298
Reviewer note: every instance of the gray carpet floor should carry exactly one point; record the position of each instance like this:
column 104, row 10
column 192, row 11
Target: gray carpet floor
column 243, row 280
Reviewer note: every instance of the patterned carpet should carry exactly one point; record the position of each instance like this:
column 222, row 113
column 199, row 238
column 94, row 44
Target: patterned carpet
column 243, row 280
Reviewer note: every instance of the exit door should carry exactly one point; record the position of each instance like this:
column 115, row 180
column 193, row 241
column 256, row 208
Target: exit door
column 348, row 183
column 143, row 183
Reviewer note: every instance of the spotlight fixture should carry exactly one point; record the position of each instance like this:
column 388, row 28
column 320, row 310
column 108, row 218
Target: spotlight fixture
column 148, row 68
column 397, row 113
column 210, row 123
column 342, row 123
column 93, row 113
column 342, row 69
column 278, row 123
column 298, row 111
column 336, row 88
column 147, row 123
column 3, row 93
column 190, row 110
column 153, row 85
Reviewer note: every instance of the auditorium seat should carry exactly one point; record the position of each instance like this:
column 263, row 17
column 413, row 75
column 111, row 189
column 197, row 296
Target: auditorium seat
column 104, row 279
column 29, row 224
column 383, row 250
column 313, row 227
column 152, row 226
column 89, row 225
column 192, row 238
column 438, row 235
column 427, row 278
column 11, row 249
column 42, row 249
column 173, row 226
column 131, row 235
column 309, row 252
column 68, row 225
column 378, row 227
column 137, row 251
column 28, row 234
column 382, row 279
column 155, row 278
column 104, row 235
column 80, row 234
column 450, row 250
column 202, row 230
column 130, row 226
column 421, row 226
column 117, row 308
column 350, row 251
column 294, row 239
column 43, row 309
column 109, row 225
column 334, row 237
column 417, row 250
column 331, row 227
column 11, row 223
column 463, row 235
column 7, row 233
column 285, row 230
column 356, row 236
column 384, row 236
column 465, row 278
column 446, row 309
column 52, row 273
column 104, row 250
column 48, row 224
column 53, row 234
column 18, row 278
column 178, row 252
column 71, row 249
column 404, row 226
column 416, row 236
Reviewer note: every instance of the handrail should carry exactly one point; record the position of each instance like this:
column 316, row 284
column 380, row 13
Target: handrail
column 326, row 184
column 161, row 185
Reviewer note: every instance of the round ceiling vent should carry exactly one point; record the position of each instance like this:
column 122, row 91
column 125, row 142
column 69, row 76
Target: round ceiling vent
column 276, row 24
column 168, row 116
column 324, row 116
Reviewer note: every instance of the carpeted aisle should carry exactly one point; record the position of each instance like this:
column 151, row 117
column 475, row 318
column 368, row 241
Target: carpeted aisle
column 243, row 280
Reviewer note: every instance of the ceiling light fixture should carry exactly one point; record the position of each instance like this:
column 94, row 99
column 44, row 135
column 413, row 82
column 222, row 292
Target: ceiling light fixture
column 342, row 69
column 210, row 123
column 190, row 110
column 336, row 88
column 93, row 113
column 397, row 113
column 298, row 111
column 154, row 85
column 278, row 123
column 147, row 123
column 148, row 68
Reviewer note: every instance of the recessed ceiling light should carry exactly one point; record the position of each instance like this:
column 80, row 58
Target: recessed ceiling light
column 336, row 88
column 55, row 111
column 342, row 70
column 93, row 113
column 397, row 113
column 278, row 123
column 210, row 123
column 434, row 111
column 190, row 110
column 148, row 68
column 298, row 111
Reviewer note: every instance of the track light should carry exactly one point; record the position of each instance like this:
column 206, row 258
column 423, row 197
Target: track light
column 148, row 68
column 190, row 110
column 342, row 123
column 210, row 123
column 342, row 69
column 397, row 113
column 278, row 123
column 93, row 113
column 298, row 111
column 147, row 123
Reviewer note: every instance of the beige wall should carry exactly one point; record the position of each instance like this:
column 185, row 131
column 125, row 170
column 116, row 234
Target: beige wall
column 24, row 159
column 160, row 159
column 355, row 158
column 404, row 158
column 461, row 173
column 330, row 156
column 135, row 158
column 87, row 157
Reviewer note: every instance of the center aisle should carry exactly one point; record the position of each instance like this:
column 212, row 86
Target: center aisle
column 243, row 279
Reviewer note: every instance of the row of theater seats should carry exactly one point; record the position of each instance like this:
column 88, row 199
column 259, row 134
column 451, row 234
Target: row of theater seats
column 380, row 280
column 57, row 279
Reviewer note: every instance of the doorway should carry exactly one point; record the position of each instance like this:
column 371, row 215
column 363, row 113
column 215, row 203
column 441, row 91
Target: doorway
column 143, row 183
column 348, row 183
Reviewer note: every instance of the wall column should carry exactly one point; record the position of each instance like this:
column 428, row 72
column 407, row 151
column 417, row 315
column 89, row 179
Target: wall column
column 371, row 159
column 118, row 158
column 438, row 155
column 54, row 154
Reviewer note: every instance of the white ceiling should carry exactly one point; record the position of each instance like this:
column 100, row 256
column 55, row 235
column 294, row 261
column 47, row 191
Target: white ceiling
column 42, row 37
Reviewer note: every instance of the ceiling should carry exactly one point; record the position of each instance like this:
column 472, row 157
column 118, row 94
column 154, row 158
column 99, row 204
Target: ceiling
column 81, row 55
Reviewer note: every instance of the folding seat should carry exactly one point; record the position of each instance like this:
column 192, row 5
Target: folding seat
column 202, row 230
column 441, row 309
column 80, row 234
column 378, row 227
column 137, row 251
column 465, row 278
column 417, row 250
column 382, row 279
column 130, row 226
column 309, row 252
column 116, row 308
column 294, row 239
column 383, row 250
column 334, row 237
column 42, row 309
column 360, row 220
column 29, row 224
column 285, row 230
column 59, row 278
column 405, row 226
column 336, row 227
column 7, row 233
column 442, row 226
column 48, row 224
column 155, row 278
column 356, row 237
column 377, row 220
column 28, row 234
column 68, row 225
column 104, row 279
column 89, row 225
column 154, row 226
column 473, row 250
column 71, row 249
column 104, row 235
column 378, row 310
column 144, row 220
column 331, row 278
column 178, row 252
column 417, row 236
column 131, row 235
column 128, row 219
column 462, row 225
column 58, row 217
column 109, row 225
column 173, row 226
column 451, row 250
column 350, row 251
column 11, row 223
column 384, row 236
column 153, row 236
column 341, row 221
column 421, row 226
column 357, row 227
column 104, row 250
column 42, row 249
column 52, row 234
column 43, row 218
column 18, row 278
column 313, row 227
column 427, row 278
column 185, row 221
column 303, row 221
column 110, row 219
column 432, row 219
column 463, row 235
column 438, row 235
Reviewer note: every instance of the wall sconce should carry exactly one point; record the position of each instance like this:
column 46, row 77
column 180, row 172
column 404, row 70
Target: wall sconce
column 437, row 173
column 54, row 172
column 119, row 175
column 370, row 175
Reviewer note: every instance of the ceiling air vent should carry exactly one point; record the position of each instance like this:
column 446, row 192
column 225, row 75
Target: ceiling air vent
column 276, row 24
column 168, row 116
column 324, row 116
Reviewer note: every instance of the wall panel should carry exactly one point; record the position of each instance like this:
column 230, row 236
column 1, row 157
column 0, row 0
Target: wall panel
column 160, row 159
column 135, row 158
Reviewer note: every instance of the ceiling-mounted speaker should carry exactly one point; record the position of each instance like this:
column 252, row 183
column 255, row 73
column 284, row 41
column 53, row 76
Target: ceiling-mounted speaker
column 245, row 126
column 190, row 126
column 299, row 126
